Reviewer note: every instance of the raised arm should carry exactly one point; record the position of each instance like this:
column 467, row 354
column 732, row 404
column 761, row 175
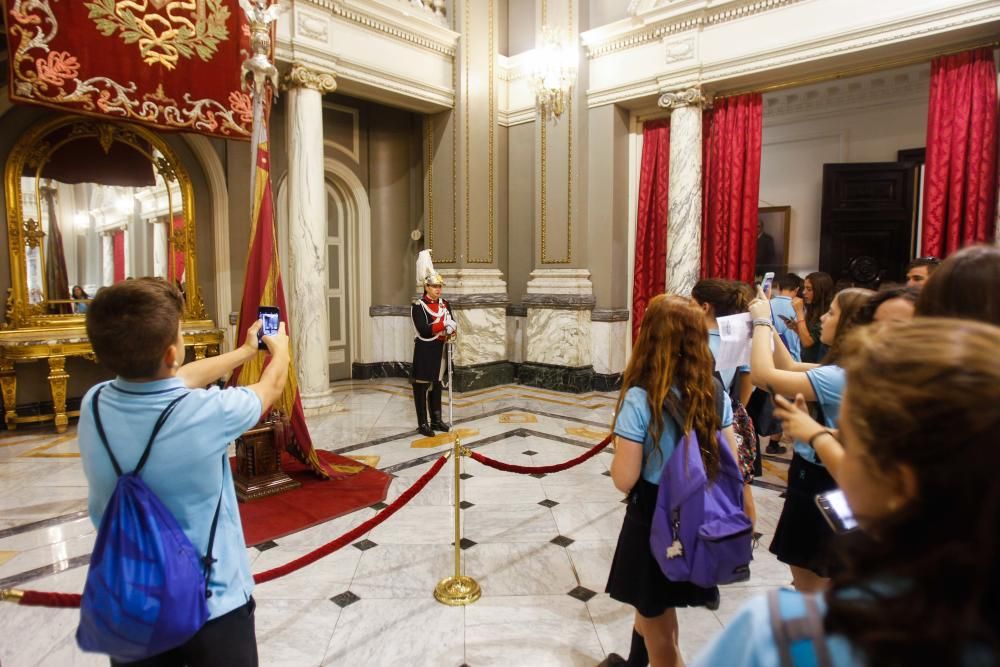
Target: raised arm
column 205, row 371
column 763, row 372
column 783, row 358
column 272, row 380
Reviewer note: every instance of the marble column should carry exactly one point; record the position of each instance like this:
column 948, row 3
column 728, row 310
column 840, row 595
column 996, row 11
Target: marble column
column 107, row 259
column 126, row 240
column 684, row 214
column 307, row 231
column 558, row 347
column 159, row 249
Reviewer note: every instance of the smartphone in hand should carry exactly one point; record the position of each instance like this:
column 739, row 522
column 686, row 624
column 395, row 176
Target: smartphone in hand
column 834, row 508
column 765, row 284
column 269, row 317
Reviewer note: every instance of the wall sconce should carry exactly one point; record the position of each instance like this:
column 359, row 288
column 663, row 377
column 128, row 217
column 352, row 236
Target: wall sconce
column 554, row 71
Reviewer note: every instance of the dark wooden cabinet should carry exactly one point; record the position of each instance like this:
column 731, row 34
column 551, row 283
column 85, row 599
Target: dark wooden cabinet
column 867, row 221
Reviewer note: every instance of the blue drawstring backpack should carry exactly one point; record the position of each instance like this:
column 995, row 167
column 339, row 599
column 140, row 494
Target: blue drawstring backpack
column 147, row 585
column 700, row 532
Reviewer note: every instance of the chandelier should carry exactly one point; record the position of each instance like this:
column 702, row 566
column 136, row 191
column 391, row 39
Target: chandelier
column 554, row 72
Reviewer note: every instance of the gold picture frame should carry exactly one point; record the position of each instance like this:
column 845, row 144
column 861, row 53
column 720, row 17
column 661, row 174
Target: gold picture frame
column 773, row 231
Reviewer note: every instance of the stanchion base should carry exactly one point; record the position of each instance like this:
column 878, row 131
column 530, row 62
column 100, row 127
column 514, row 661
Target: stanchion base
column 457, row 591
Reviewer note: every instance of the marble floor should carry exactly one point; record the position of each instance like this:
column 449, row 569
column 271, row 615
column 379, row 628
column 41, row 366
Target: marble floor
column 540, row 546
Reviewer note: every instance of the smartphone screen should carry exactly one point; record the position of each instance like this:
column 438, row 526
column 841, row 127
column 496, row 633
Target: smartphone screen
column 834, row 508
column 269, row 317
column 765, row 284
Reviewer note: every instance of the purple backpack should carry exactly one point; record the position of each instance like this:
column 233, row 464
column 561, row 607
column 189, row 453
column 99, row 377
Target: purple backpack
column 700, row 532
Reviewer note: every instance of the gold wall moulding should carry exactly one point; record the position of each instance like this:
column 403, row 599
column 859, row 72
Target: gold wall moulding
column 90, row 202
column 491, row 122
column 303, row 76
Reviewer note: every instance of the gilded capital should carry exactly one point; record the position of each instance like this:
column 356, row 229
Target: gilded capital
column 301, row 76
column 692, row 97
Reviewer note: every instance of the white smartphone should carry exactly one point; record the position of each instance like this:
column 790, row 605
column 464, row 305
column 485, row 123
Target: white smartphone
column 834, row 508
column 765, row 284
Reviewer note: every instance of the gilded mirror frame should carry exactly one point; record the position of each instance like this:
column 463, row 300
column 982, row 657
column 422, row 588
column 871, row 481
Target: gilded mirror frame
column 32, row 152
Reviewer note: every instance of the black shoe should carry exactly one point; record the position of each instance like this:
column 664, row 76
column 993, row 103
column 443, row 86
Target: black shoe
column 613, row 660
column 439, row 425
column 714, row 601
column 775, row 448
column 425, row 429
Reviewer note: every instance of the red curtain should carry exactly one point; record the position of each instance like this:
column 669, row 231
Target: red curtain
column 731, row 187
column 651, row 225
column 119, row 253
column 177, row 256
column 961, row 174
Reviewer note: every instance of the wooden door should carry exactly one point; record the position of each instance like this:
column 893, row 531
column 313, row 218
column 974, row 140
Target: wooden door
column 867, row 223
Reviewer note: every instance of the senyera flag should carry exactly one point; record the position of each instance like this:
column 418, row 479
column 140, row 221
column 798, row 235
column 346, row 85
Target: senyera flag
column 263, row 287
column 170, row 64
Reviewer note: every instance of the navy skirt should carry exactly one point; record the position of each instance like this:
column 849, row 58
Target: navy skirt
column 635, row 577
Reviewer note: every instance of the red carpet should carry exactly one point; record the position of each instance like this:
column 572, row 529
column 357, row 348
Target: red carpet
column 312, row 503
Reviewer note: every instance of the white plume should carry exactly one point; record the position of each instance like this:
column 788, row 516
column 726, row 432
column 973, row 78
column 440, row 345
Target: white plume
column 425, row 267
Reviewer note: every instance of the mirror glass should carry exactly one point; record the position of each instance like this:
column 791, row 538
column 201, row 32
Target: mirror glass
column 98, row 203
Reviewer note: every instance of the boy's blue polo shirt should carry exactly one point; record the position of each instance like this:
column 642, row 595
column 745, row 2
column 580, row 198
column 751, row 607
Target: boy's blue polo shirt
column 184, row 468
column 781, row 307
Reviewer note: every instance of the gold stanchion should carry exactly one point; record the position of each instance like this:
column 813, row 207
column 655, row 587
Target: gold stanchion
column 11, row 594
column 457, row 590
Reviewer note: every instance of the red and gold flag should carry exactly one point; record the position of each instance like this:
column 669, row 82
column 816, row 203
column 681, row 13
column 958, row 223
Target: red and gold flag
column 171, row 64
column 263, row 287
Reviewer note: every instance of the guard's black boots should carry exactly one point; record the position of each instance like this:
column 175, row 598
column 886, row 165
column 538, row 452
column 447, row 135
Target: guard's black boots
column 420, row 402
column 437, row 423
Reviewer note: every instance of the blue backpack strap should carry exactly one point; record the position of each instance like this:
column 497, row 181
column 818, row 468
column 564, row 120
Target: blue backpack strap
column 208, row 560
column 149, row 445
column 798, row 629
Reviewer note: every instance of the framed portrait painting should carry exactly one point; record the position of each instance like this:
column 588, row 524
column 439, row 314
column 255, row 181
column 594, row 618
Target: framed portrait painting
column 773, row 224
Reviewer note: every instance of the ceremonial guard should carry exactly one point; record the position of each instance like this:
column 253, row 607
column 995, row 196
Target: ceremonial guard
column 435, row 326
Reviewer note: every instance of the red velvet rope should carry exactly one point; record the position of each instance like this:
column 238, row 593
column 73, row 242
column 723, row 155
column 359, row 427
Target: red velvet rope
column 44, row 599
column 528, row 470
column 354, row 533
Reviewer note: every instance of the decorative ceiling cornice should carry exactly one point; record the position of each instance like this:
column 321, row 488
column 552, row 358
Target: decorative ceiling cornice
column 877, row 89
column 395, row 24
column 626, row 35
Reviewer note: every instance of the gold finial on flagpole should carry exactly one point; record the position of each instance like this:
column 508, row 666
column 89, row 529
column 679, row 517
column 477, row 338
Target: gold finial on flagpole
column 457, row 590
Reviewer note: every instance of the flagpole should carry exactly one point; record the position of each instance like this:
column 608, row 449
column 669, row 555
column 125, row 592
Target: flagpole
column 258, row 71
column 451, row 395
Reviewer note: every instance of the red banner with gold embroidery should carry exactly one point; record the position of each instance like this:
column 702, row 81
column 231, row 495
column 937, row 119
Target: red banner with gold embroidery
column 171, row 64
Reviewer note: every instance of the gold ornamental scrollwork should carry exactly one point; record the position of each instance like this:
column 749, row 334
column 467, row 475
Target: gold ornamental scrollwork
column 164, row 39
column 692, row 97
column 302, row 76
column 33, row 233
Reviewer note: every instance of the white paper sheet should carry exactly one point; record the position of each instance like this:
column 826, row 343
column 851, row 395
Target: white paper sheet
column 735, row 334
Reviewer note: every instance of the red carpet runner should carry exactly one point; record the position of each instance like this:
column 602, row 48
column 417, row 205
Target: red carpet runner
column 312, row 503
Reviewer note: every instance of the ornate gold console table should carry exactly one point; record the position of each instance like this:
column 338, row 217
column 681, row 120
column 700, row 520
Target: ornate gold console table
column 54, row 345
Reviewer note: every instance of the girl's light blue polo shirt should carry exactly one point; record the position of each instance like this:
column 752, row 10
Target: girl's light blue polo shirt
column 632, row 423
column 184, row 469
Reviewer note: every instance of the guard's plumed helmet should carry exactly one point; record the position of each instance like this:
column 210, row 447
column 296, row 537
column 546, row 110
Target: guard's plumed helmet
column 426, row 275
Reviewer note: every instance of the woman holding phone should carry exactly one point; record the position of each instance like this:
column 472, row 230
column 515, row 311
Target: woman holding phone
column 817, row 293
column 801, row 537
column 919, row 583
